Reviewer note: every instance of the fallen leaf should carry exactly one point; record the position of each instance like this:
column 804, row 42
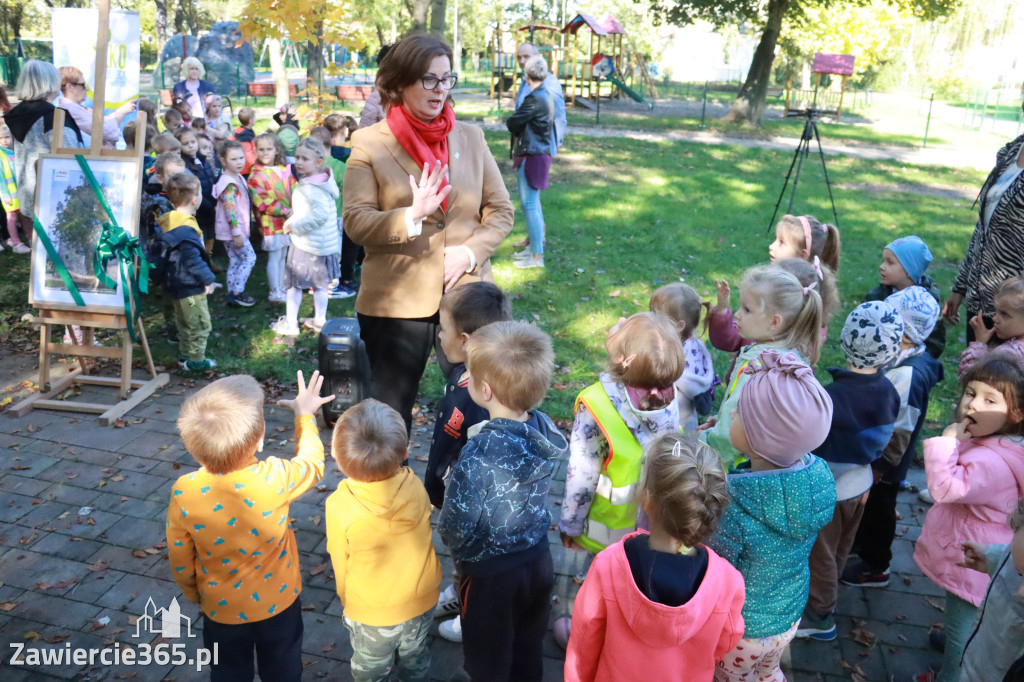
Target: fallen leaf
column 42, row 586
column 120, row 424
column 96, row 626
column 328, row 647
column 32, row 636
column 309, row 607
column 863, row 637
column 117, row 479
column 99, row 566
column 139, row 554
column 317, row 570
column 934, row 604
column 126, row 676
column 8, row 605
column 20, row 467
column 57, row 639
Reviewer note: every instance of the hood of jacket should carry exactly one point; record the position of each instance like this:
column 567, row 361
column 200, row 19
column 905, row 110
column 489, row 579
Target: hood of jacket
column 243, row 134
column 658, row 625
column 391, row 504
column 793, row 502
column 24, row 115
column 328, row 186
column 541, row 442
column 173, row 237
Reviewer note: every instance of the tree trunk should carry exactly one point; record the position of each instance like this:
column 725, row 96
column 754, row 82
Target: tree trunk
column 280, row 74
column 418, row 10
column 750, row 102
column 315, row 59
column 161, row 26
column 437, row 10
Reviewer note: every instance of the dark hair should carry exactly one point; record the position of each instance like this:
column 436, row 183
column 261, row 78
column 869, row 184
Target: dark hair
column 476, row 305
column 5, row 104
column 405, row 63
column 129, row 134
column 227, row 146
column 181, row 188
column 171, row 114
column 383, row 52
column 1001, row 370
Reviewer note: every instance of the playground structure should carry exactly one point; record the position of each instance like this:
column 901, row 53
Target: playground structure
column 828, row 102
column 581, row 73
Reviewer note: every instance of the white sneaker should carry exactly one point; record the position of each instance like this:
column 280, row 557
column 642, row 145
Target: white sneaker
column 283, row 328
column 525, row 253
column 530, row 262
column 451, row 629
column 926, row 496
column 276, row 297
column 21, row 248
column 447, row 602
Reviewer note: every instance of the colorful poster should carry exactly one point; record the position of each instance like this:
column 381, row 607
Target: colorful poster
column 74, row 44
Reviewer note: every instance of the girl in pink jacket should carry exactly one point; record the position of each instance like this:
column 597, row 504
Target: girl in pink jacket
column 1007, row 333
column 662, row 606
column 975, row 472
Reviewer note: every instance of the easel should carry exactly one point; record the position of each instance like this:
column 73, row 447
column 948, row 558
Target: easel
column 131, row 392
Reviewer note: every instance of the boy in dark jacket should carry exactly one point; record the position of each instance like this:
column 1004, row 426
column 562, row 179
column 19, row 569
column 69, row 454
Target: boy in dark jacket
column 495, row 517
column 915, row 375
column 199, row 166
column 188, row 278
column 864, row 409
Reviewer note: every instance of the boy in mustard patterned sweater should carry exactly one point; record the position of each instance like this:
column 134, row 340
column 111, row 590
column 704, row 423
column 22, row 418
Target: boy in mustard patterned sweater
column 378, row 536
column 231, row 549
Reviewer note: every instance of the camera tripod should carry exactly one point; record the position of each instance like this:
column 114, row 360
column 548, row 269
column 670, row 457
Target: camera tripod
column 803, row 149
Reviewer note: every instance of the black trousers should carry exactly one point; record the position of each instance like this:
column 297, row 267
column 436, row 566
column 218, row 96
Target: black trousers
column 504, row 620
column 276, row 641
column 351, row 255
column 398, row 350
column 877, row 529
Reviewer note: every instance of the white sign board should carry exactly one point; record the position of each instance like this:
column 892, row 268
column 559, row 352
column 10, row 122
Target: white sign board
column 74, row 44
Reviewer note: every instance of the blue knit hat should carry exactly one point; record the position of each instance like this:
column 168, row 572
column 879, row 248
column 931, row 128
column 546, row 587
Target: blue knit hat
column 920, row 312
column 872, row 334
column 913, row 255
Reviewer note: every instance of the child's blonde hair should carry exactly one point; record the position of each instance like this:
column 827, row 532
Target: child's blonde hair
column 680, row 303
column 370, row 441
column 683, row 487
column 166, row 142
column 246, row 116
column 222, row 424
column 807, row 274
column 780, row 293
column 1001, row 370
column 312, row 144
column 181, row 188
column 515, row 359
column 1012, row 291
column 164, row 160
column 279, row 155
column 825, row 242
column 645, row 352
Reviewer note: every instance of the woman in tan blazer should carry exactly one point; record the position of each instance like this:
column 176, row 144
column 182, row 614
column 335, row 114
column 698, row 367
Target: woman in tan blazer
column 424, row 196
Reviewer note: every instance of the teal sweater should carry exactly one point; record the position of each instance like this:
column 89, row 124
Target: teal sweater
column 767, row 534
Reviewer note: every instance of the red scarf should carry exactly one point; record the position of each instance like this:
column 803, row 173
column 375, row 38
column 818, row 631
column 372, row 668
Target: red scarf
column 426, row 143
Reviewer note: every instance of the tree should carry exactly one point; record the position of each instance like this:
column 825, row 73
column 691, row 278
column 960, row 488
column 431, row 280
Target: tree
column 750, row 102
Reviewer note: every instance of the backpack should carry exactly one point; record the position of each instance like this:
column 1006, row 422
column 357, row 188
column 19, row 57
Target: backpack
column 151, row 236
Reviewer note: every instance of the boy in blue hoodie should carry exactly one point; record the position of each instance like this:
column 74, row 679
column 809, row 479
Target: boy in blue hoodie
column 187, row 274
column 914, row 374
column 860, row 431
column 495, row 517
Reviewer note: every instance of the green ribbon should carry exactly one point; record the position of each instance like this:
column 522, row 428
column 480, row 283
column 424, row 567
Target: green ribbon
column 57, row 261
column 114, row 242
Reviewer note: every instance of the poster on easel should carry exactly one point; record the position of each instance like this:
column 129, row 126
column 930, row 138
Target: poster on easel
column 74, row 44
column 72, row 218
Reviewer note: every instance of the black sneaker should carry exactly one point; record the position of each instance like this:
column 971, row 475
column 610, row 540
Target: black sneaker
column 861, row 575
column 343, row 290
column 243, row 300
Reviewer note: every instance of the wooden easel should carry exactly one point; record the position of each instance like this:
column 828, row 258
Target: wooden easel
column 132, row 392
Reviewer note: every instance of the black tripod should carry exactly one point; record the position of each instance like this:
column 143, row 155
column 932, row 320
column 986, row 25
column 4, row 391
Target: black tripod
column 803, row 149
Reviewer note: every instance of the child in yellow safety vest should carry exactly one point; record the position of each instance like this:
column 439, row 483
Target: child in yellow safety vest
column 633, row 403
column 9, row 194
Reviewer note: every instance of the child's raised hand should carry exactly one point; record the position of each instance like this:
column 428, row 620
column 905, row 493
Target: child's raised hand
column 724, row 292
column 981, row 332
column 307, row 399
column 974, row 557
column 708, row 424
column 957, row 430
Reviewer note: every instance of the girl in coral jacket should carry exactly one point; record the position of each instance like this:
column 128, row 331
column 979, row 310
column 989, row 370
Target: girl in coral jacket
column 975, row 472
column 662, row 605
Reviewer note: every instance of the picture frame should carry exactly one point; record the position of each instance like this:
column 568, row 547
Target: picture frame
column 72, row 217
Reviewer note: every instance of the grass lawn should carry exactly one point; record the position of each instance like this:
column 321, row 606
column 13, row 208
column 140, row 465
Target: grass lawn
column 625, row 216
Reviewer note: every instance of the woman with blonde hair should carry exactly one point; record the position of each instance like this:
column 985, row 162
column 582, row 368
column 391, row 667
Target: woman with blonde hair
column 193, row 89
column 73, row 93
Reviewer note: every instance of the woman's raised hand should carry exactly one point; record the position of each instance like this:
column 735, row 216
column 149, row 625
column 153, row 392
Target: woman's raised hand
column 951, row 308
column 428, row 194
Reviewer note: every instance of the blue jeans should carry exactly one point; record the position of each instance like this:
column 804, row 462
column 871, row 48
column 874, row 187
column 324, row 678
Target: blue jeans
column 960, row 617
column 529, row 200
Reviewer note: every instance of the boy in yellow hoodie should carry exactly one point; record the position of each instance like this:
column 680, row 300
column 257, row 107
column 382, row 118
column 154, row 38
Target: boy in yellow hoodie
column 379, row 539
column 229, row 543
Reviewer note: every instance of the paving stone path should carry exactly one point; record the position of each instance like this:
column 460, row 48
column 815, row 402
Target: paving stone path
column 82, row 525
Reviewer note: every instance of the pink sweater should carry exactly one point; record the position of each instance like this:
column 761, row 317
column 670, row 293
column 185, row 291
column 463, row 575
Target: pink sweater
column 233, row 215
column 976, row 350
column 976, row 484
column 619, row 634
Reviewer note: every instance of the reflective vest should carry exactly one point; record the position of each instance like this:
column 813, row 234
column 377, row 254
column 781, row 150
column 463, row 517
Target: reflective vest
column 9, row 188
column 613, row 513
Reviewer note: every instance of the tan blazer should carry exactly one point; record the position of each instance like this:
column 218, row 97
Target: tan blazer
column 403, row 277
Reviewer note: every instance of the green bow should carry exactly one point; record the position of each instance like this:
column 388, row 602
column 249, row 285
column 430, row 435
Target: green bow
column 114, row 242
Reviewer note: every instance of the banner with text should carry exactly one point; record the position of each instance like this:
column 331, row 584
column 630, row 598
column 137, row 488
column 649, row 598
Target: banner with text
column 74, row 44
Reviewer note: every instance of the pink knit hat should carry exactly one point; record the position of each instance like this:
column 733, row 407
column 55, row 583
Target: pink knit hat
column 785, row 411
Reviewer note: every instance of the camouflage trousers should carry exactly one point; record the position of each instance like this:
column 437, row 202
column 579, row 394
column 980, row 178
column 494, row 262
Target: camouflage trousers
column 374, row 649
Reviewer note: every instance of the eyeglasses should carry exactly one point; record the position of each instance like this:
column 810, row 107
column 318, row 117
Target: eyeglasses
column 81, row 85
column 431, row 82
